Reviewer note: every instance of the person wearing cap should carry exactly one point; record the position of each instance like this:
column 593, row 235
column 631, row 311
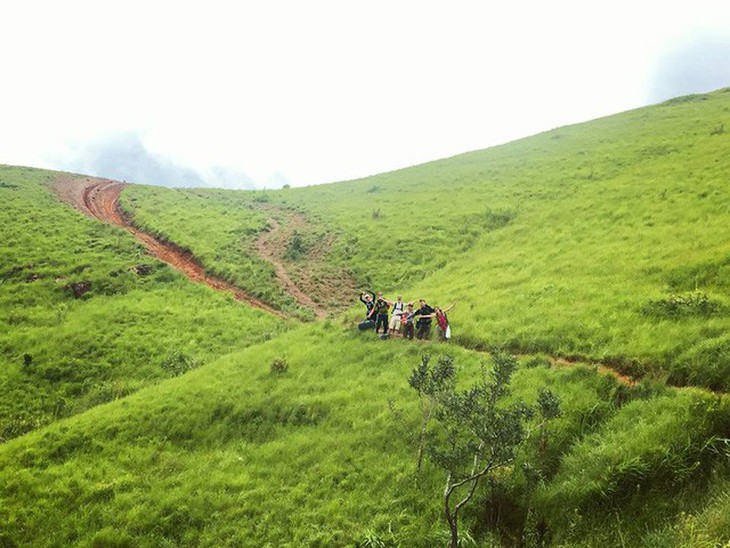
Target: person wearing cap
column 380, row 311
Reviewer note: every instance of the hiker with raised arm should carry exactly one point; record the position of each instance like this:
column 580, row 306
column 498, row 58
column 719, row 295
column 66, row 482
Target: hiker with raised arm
column 442, row 322
column 423, row 325
column 380, row 312
column 398, row 307
column 368, row 299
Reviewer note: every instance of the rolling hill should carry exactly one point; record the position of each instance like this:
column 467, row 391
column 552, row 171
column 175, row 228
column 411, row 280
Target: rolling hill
column 140, row 408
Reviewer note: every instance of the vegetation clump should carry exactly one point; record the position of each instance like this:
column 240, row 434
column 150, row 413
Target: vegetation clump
column 297, row 247
column 179, row 363
column 279, row 366
column 678, row 306
column 477, row 432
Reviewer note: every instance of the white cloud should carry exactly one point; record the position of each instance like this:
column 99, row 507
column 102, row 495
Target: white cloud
column 320, row 91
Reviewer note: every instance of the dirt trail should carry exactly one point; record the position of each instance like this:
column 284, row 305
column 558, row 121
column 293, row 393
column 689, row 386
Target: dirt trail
column 601, row 368
column 99, row 198
column 266, row 246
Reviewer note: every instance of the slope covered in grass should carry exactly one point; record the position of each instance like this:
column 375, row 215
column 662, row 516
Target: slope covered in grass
column 88, row 317
column 218, row 227
column 610, row 223
column 607, row 239
column 234, row 454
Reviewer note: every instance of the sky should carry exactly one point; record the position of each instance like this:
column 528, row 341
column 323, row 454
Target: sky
column 261, row 94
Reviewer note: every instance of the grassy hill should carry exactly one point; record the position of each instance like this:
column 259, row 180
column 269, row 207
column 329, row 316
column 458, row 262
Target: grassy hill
column 605, row 241
column 87, row 317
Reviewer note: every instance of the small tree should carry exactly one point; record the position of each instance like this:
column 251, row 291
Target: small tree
column 476, row 432
column 431, row 384
column 548, row 407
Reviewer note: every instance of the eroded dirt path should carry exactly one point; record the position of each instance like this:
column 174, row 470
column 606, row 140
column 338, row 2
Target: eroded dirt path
column 268, row 246
column 99, row 198
column 602, row 369
column 308, row 276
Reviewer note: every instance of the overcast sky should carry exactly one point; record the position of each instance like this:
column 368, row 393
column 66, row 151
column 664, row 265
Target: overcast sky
column 259, row 94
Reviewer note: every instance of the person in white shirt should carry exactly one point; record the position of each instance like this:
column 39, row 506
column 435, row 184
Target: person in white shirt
column 398, row 307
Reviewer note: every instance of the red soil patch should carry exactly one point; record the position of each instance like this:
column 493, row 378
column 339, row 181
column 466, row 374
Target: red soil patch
column 313, row 281
column 271, row 250
column 601, row 368
column 99, row 198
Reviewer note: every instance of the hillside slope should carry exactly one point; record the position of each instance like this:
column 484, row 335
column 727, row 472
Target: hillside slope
column 88, row 317
column 235, row 454
column 606, row 240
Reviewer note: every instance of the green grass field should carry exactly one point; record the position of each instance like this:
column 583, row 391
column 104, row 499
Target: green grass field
column 62, row 354
column 150, row 411
column 607, row 240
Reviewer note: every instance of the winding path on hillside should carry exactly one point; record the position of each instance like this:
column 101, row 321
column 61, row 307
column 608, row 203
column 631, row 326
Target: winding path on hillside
column 266, row 250
column 99, row 198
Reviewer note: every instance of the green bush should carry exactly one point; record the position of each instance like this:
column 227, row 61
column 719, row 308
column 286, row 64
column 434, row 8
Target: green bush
column 678, row 306
column 279, row 366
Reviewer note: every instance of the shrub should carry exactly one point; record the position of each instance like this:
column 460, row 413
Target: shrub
column 296, row 248
column 677, row 306
column 494, row 219
column 179, row 363
column 719, row 130
column 279, row 366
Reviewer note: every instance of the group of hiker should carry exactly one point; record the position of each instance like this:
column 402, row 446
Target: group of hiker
column 405, row 319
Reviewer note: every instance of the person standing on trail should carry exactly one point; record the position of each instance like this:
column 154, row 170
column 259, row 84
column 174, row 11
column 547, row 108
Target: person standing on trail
column 407, row 320
column 368, row 299
column 423, row 325
column 442, row 322
column 396, row 312
column 381, row 313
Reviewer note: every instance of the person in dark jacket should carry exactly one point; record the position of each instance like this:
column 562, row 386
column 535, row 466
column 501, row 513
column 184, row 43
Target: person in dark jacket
column 423, row 325
column 368, row 299
column 382, row 305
